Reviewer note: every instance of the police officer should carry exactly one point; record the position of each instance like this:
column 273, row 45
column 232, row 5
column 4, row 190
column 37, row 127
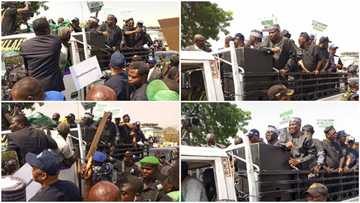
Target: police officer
column 152, row 186
column 254, row 136
column 315, row 164
column 352, row 159
column 341, row 139
column 334, row 155
column 128, row 165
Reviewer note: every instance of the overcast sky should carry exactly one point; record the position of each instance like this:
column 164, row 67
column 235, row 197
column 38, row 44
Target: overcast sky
column 166, row 114
column 147, row 11
column 297, row 16
column 345, row 115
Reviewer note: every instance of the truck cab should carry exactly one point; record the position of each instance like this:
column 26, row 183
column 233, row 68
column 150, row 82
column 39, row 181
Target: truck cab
column 201, row 159
column 200, row 77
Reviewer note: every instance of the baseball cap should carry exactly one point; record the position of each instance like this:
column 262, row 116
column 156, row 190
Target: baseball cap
column 149, row 160
column 253, row 132
column 279, row 90
column 239, row 35
column 99, row 156
column 117, row 60
column 286, row 33
column 54, row 96
column 316, row 189
column 308, row 127
column 324, row 39
column 157, row 90
column 333, row 46
column 350, row 139
column 341, row 133
column 48, row 161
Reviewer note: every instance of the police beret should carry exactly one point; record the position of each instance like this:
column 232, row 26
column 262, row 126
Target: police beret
column 152, row 160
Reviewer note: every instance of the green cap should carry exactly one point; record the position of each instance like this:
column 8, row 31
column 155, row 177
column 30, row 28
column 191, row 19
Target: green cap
column 155, row 86
column 152, row 160
column 166, row 95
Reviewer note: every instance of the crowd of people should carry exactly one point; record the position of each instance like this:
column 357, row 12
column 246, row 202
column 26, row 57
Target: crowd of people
column 47, row 57
column 306, row 56
column 120, row 169
column 337, row 153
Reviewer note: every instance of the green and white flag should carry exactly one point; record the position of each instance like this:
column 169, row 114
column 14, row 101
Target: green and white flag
column 318, row 26
column 267, row 23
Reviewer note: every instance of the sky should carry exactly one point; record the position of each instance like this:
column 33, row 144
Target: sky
column 147, row 11
column 166, row 114
column 296, row 17
column 344, row 114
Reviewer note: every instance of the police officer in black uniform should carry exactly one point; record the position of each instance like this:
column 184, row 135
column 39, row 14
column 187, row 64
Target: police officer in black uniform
column 334, row 155
column 152, row 186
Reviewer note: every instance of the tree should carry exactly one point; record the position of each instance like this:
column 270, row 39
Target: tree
column 35, row 6
column 202, row 18
column 12, row 109
column 222, row 119
column 171, row 135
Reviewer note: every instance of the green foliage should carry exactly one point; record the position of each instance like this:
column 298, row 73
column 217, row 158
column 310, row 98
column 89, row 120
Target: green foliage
column 35, row 6
column 13, row 109
column 203, row 18
column 222, row 119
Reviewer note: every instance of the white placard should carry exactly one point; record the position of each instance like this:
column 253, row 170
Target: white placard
column 86, row 72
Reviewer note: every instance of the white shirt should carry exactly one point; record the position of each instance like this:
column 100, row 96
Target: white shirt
column 63, row 145
column 193, row 190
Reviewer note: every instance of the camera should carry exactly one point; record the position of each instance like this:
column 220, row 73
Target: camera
column 140, row 24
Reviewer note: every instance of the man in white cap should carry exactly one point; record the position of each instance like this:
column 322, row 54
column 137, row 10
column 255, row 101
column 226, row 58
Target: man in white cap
column 281, row 49
column 255, row 39
column 272, row 135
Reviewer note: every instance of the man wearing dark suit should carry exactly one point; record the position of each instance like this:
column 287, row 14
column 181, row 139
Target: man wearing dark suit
column 24, row 138
column 41, row 57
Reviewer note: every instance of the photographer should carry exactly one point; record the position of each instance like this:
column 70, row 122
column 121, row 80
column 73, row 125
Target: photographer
column 8, row 18
column 112, row 32
column 135, row 37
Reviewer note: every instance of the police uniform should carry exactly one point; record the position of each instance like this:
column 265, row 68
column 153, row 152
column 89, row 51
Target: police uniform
column 333, row 153
column 153, row 190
